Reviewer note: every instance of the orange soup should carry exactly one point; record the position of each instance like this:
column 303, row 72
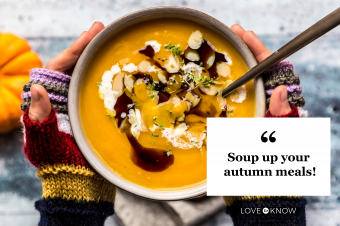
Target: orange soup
column 146, row 96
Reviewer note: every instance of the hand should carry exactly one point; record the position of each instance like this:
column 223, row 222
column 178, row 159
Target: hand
column 278, row 102
column 40, row 103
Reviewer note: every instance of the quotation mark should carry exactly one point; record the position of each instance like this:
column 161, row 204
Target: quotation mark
column 271, row 138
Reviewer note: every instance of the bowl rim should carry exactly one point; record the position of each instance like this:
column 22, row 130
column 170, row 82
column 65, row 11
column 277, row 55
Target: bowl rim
column 76, row 82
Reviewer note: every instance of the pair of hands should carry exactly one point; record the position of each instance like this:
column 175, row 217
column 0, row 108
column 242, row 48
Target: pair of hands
column 65, row 61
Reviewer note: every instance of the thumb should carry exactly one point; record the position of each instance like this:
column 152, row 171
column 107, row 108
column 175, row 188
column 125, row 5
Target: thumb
column 278, row 102
column 40, row 107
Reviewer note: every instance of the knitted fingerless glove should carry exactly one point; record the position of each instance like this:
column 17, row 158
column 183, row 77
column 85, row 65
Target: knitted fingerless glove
column 280, row 74
column 73, row 193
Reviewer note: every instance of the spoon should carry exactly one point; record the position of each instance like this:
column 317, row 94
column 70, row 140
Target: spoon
column 318, row 29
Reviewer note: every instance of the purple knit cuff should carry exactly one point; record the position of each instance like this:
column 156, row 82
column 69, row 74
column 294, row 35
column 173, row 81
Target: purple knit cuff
column 291, row 88
column 39, row 72
column 56, row 84
column 279, row 67
column 52, row 96
column 47, row 79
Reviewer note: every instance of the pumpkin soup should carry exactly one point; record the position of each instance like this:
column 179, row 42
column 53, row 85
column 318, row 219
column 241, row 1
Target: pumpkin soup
column 146, row 96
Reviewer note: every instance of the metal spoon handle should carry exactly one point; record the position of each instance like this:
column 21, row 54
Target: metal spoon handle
column 318, row 29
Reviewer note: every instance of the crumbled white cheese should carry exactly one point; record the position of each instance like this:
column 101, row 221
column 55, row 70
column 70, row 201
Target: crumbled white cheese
column 115, row 69
column 192, row 68
column 239, row 95
column 105, row 90
column 195, row 140
column 175, row 140
column 130, row 68
column 154, row 44
column 136, row 127
column 123, row 115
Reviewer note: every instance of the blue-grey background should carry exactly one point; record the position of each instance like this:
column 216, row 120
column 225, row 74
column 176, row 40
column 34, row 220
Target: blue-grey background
column 52, row 25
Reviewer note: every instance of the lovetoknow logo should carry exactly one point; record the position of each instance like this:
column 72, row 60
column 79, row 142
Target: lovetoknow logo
column 265, row 210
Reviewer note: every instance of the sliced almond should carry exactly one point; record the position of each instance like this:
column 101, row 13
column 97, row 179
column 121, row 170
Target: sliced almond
column 180, row 129
column 223, row 69
column 210, row 90
column 220, row 69
column 144, row 65
column 129, row 80
column 124, row 125
column 207, row 57
column 195, row 40
column 163, row 76
column 191, row 54
column 188, row 105
column 181, row 118
column 193, row 99
column 117, row 83
column 172, row 64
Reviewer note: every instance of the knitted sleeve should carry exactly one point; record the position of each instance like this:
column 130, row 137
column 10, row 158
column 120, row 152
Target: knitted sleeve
column 280, row 74
column 73, row 193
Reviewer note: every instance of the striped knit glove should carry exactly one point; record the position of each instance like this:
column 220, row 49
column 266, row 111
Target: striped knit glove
column 280, row 74
column 73, row 193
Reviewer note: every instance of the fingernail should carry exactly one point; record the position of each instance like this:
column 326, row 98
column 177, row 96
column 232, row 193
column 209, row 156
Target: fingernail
column 284, row 94
column 35, row 95
column 93, row 24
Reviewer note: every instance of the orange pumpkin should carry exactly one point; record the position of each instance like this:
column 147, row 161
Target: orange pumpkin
column 16, row 59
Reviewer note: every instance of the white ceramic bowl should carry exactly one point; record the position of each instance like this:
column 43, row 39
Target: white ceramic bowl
column 107, row 34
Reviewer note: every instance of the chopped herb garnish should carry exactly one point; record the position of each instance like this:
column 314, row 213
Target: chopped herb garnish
column 156, row 124
column 204, row 81
column 108, row 115
column 174, row 49
column 182, row 62
column 168, row 152
column 161, row 127
column 135, row 103
column 152, row 87
column 217, row 93
column 135, row 126
column 194, row 142
column 154, row 118
column 230, row 113
column 208, row 112
column 170, row 112
column 201, row 64
column 152, row 143
column 167, row 143
column 98, row 83
column 154, row 135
